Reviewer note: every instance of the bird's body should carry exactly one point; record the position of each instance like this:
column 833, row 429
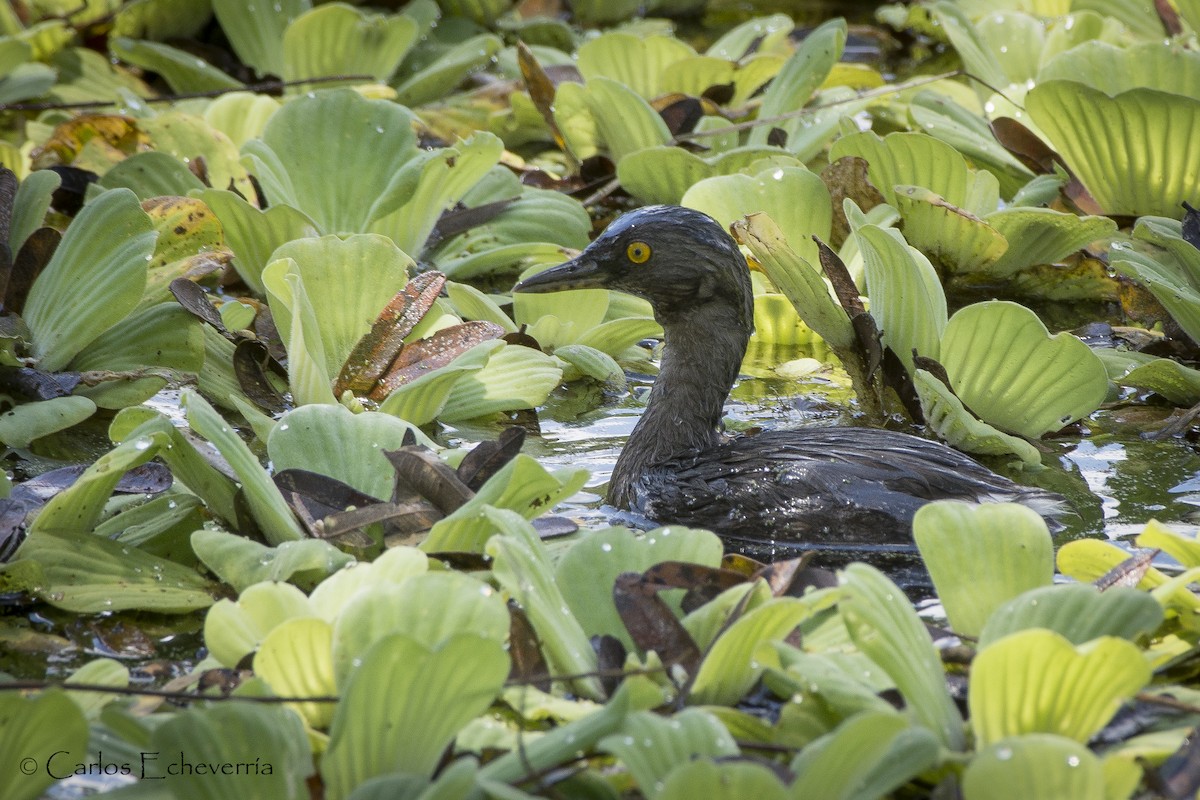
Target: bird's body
column 808, row 485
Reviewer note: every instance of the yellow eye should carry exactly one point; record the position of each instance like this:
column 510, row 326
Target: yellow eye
column 638, row 252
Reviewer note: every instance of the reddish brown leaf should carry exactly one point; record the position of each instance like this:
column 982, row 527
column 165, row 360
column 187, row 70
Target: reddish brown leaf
column 541, row 90
column 847, row 177
column 1024, row 144
column 375, row 351
column 488, row 457
column 253, row 366
column 1129, row 572
column 843, row 285
column 421, row 471
column 1169, row 17
column 433, row 352
column 460, row 220
column 780, row 574
column 28, row 263
column 651, row 623
column 195, row 301
column 528, row 664
column 680, row 112
column 702, row 583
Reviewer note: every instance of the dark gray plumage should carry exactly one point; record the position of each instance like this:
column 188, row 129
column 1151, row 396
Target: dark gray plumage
column 821, row 485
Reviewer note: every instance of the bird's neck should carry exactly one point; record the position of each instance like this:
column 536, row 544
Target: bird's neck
column 702, row 354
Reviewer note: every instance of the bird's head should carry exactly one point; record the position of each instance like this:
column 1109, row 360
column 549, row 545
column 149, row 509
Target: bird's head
column 679, row 259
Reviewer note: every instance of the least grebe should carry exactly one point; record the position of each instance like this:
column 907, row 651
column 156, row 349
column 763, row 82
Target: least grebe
column 830, row 485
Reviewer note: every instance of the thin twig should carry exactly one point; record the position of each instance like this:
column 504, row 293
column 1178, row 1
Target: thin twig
column 37, row 686
column 801, row 112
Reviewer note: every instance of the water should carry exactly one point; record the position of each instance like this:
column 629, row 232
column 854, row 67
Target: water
column 1115, row 479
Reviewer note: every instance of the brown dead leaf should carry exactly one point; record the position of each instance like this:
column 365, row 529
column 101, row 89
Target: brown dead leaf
column 435, row 351
column 374, row 353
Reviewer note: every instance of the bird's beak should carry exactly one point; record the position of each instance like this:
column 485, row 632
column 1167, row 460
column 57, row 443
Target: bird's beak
column 581, row 272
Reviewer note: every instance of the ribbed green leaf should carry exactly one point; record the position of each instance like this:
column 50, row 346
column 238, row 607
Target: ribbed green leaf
column 188, row 137
column 270, row 510
column 664, row 174
column 589, row 362
column 232, row 630
column 730, row 780
column 842, row 687
column 86, row 574
column 393, row 566
column 730, row 667
column 448, row 70
column 1043, row 236
column 886, row 629
column 799, row 77
column 100, row 672
column 472, row 304
column 446, row 176
column 333, row 154
column 915, row 159
column 946, row 416
column 30, row 205
column 232, row 733
column 162, row 337
column 522, row 567
column 76, row 509
column 697, row 74
column 522, row 485
column 1184, row 549
column 1006, row 367
column 636, row 62
column 625, row 121
column 337, row 39
column 256, row 33
column 906, row 297
column 956, row 239
column 36, row 730
column 106, row 248
column 182, row 71
column 1077, row 611
column 968, row 133
column 514, row 377
column 242, row 562
column 253, row 235
column 152, row 174
column 295, row 659
column 1113, row 144
column 332, row 441
column 1035, row 766
column 241, row 115
column 651, row 747
column 1114, row 69
column 22, row 424
column 431, row 608
column 793, row 197
column 1036, row 681
column 798, row 279
column 346, row 281
column 405, row 703
column 868, row 756
column 976, row 55
column 1164, row 376
column 187, row 464
column 980, row 556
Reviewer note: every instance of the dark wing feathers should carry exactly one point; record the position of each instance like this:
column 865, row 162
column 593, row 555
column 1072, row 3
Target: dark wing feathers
column 839, row 484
